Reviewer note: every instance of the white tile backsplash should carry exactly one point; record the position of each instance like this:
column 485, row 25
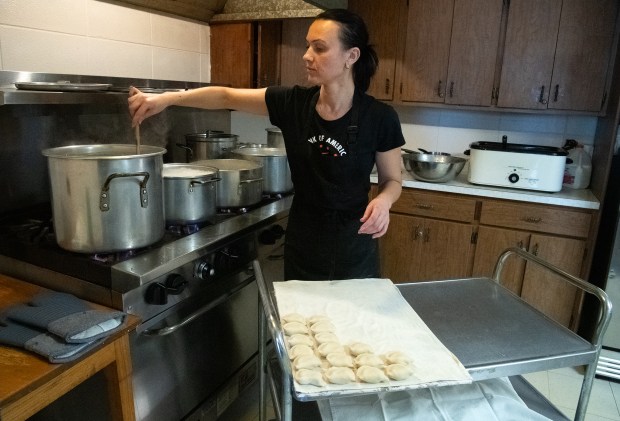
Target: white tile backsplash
column 66, row 16
column 174, row 33
column 119, row 59
column 115, row 22
column 43, row 51
column 176, row 64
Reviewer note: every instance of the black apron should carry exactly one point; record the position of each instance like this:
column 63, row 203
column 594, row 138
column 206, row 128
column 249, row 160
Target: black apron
column 323, row 243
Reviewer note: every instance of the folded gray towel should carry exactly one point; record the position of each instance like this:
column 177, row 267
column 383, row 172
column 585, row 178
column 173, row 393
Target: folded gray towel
column 67, row 316
column 41, row 342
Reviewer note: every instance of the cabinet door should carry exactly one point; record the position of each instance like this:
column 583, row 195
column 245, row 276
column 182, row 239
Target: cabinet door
column 531, row 36
column 382, row 19
column 268, row 53
column 582, row 54
column 545, row 290
column 292, row 50
column 447, row 251
column 427, row 50
column 400, row 248
column 232, row 54
column 490, row 244
column 473, row 52
column 421, row 249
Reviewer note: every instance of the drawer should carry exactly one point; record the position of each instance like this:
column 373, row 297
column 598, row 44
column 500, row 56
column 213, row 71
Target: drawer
column 435, row 205
column 553, row 220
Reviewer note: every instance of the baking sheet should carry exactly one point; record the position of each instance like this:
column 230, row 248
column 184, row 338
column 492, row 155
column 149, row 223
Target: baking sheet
column 372, row 311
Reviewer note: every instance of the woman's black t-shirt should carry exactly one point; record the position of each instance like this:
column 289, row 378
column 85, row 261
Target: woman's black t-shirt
column 331, row 169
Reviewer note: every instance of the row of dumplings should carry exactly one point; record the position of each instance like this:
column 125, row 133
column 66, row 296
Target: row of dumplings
column 318, row 357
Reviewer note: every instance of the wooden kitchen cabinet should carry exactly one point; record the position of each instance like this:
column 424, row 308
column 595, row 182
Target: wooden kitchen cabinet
column 556, row 235
column 450, row 51
column 429, row 238
column 383, row 22
column 556, row 54
column 292, row 50
column 246, row 54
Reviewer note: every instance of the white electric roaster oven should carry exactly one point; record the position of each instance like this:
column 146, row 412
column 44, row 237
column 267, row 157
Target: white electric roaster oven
column 518, row 166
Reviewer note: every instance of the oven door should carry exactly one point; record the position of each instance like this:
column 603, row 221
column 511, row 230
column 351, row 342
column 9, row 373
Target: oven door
column 187, row 370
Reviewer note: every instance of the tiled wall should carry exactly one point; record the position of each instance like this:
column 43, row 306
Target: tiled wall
column 93, row 37
column 102, row 38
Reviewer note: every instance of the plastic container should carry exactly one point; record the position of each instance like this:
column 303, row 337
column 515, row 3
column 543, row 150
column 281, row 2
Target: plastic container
column 578, row 169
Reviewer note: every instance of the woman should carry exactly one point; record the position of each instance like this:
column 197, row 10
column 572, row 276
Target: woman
column 334, row 133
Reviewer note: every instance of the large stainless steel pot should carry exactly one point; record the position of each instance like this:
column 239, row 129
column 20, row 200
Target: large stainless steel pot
column 274, row 137
column 106, row 198
column 209, row 145
column 276, row 171
column 189, row 193
column 241, row 182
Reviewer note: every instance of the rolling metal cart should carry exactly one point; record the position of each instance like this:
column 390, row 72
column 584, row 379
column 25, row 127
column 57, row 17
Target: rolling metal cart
column 493, row 332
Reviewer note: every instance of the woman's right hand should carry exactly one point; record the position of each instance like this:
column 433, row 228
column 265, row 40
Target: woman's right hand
column 142, row 106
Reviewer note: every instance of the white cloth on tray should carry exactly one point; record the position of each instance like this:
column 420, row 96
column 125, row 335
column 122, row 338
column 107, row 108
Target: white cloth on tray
column 488, row 400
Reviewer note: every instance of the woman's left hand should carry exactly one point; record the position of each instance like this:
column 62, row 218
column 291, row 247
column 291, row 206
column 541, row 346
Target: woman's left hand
column 376, row 218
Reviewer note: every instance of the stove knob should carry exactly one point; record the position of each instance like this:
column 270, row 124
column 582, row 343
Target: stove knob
column 513, row 178
column 204, row 271
column 271, row 235
column 157, row 293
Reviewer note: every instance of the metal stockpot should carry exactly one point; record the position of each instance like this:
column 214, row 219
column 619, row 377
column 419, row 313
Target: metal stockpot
column 189, row 193
column 241, row 182
column 276, row 171
column 106, row 198
column 208, row 145
column 274, row 137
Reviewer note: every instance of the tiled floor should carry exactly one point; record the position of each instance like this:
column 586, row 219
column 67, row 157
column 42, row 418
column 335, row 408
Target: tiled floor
column 561, row 387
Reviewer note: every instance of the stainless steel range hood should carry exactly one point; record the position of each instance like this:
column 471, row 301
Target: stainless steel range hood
column 239, row 10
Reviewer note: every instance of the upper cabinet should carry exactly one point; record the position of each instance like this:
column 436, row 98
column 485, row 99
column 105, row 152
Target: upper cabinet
column 382, row 20
column 451, row 51
column 556, row 54
column 246, row 54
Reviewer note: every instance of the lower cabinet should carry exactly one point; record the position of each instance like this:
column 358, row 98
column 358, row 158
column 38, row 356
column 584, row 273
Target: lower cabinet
column 424, row 249
column 534, row 284
column 436, row 235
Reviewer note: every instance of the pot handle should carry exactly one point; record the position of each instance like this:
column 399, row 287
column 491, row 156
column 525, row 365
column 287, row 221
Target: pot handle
column 253, row 180
column 104, row 197
column 194, row 182
column 189, row 150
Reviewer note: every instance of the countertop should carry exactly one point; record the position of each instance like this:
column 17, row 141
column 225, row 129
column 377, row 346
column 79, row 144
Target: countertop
column 584, row 198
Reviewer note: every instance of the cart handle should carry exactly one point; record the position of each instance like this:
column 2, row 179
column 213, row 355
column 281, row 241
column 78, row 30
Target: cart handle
column 604, row 316
column 604, row 313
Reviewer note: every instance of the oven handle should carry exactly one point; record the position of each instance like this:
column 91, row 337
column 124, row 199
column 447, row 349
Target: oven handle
column 202, row 310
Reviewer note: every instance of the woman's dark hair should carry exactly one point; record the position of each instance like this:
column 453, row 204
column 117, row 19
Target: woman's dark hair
column 353, row 33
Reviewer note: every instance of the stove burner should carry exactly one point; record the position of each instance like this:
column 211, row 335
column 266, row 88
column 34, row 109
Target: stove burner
column 114, row 257
column 187, row 229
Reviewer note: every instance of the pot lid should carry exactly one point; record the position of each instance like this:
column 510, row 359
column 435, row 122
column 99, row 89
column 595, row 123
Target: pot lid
column 211, row 136
column 260, row 151
column 518, row 148
column 230, row 164
column 188, row 171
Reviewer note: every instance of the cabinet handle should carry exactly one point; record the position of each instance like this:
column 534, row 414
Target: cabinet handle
column 531, row 219
column 387, row 85
column 419, row 232
column 535, row 250
column 424, row 206
column 541, row 98
column 555, row 93
column 451, row 89
column 440, row 93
